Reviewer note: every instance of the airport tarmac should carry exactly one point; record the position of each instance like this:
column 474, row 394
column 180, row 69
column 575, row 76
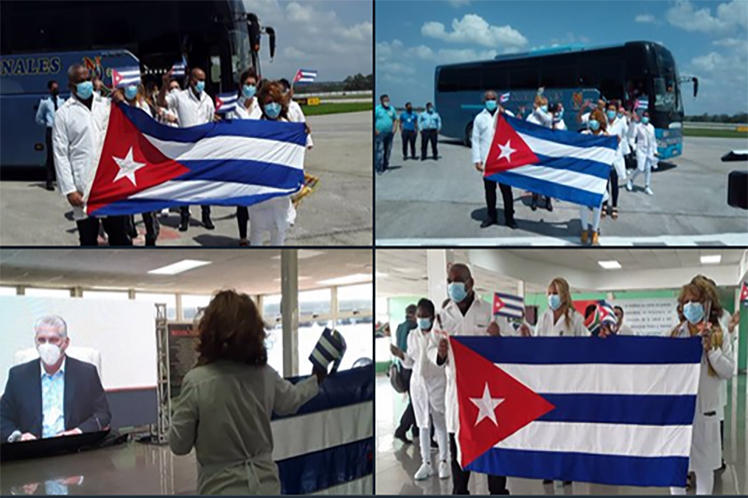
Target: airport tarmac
column 442, row 203
column 338, row 213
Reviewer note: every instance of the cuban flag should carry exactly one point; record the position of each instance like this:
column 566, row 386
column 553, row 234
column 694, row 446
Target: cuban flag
column 329, row 349
column 179, row 69
column 615, row 411
column 504, row 97
column 124, row 76
column 508, row 305
column 604, row 314
column 327, row 447
column 744, row 294
column 226, row 102
column 642, row 104
column 558, row 164
column 305, row 76
column 146, row 166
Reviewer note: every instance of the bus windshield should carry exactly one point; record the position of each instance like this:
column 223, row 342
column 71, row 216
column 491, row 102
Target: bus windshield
column 665, row 84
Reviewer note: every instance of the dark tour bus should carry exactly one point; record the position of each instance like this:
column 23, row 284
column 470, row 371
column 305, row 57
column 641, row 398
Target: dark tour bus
column 629, row 72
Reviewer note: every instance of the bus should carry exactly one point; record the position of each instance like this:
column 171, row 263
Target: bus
column 40, row 40
column 634, row 71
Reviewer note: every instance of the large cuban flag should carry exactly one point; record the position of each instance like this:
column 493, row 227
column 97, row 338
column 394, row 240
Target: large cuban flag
column 146, row 166
column 327, row 447
column 613, row 411
column 559, row 164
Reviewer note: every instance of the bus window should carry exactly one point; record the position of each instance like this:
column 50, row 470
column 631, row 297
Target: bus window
column 470, row 78
column 559, row 71
column 239, row 52
column 448, row 80
column 523, row 76
column 215, row 69
column 664, row 92
column 495, row 77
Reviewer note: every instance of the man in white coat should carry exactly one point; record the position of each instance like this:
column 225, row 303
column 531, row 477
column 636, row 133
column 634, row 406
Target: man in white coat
column 77, row 139
column 465, row 314
column 484, row 127
column 295, row 114
column 646, row 150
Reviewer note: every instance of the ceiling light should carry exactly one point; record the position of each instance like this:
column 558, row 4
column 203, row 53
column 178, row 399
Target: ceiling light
column 610, row 265
column 713, row 259
column 355, row 278
column 179, row 267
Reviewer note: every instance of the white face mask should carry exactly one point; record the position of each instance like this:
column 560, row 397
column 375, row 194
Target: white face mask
column 49, row 353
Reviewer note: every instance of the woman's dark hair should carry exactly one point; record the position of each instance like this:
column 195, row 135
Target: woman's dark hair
column 231, row 328
column 249, row 73
column 428, row 306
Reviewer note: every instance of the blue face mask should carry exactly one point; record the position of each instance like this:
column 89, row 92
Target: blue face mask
column 554, row 301
column 424, row 323
column 457, row 291
column 645, row 120
column 431, row 111
column 611, row 114
column 594, row 125
column 249, row 91
column 131, row 91
column 491, row 105
column 544, row 108
column 273, row 110
column 694, row 312
column 620, row 115
column 560, row 114
column 84, row 90
column 200, row 87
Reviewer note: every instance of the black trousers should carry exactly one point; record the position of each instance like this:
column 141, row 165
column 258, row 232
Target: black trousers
column 242, row 218
column 612, row 188
column 409, row 139
column 461, row 478
column 152, row 228
column 185, row 210
column 114, row 226
column 50, row 156
column 408, row 419
column 506, row 197
column 428, row 136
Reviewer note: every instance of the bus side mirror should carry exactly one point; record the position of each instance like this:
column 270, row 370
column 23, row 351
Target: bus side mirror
column 271, row 35
column 695, row 86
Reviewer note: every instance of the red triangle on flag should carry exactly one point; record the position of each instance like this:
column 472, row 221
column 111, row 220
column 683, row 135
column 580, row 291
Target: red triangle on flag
column 219, row 102
column 129, row 163
column 480, row 385
column 744, row 292
column 116, row 78
column 508, row 150
column 497, row 304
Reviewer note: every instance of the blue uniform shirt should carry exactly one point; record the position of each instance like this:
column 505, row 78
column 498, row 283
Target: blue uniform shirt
column 429, row 121
column 384, row 119
column 409, row 120
column 45, row 115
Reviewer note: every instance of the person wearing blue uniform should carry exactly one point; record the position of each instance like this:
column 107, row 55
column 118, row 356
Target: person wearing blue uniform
column 45, row 116
column 385, row 123
column 430, row 125
column 409, row 127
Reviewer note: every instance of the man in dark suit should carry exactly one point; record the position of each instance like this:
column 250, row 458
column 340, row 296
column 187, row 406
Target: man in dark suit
column 55, row 395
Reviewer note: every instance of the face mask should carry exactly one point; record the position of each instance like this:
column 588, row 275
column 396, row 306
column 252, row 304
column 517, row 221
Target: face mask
column 594, row 125
column 49, row 353
column 273, row 110
column 491, row 105
column 249, row 91
column 645, row 120
column 424, row 323
column 560, row 114
column 386, row 105
column 620, row 115
column 199, row 87
column 430, row 111
column 544, row 108
column 409, row 109
column 554, row 301
column 84, row 90
column 457, row 291
column 611, row 114
column 173, row 90
column 694, row 312
column 130, row 92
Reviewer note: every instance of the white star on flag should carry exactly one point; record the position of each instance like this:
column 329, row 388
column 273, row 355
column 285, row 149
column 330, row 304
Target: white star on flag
column 506, row 151
column 487, row 406
column 127, row 167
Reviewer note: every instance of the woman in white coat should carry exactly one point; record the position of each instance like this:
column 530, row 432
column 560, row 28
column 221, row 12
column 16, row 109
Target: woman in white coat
column 646, row 150
column 541, row 117
column 699, row 310
column 427, row 390
column 560, row 318
column 591, row 232
column 616, row 127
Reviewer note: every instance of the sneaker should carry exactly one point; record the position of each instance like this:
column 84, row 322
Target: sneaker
column 649, row 191
column 444, row 472
column 424, row 472
column 629, row 187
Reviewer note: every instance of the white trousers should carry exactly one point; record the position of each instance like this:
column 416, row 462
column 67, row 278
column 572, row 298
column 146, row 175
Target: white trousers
column 584, row 212
column 440, row 428
column 704, row 483
column 277, row 237
column 643, row 164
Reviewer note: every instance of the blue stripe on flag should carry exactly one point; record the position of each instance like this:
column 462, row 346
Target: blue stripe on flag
column 549, row 189
column 563, row 137
column 272, row 130
column 621, row 409
column 584, row 467
column 518, row 299
column 578, row 350
column 243, row 171
column 326, row 468
column 586, row 166
column 511, row 307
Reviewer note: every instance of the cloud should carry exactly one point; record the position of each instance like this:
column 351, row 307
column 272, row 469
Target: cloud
column 729, row 42
column 474, row 29
column 729, row 16
column 722, row 78
column 395, row 49
column 293, row 53
column 360, row 32
column 458, row 3
column 645, row 19
column 708, row 62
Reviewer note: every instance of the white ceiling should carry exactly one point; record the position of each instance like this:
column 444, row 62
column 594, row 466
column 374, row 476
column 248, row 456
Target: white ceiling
column 255, row 271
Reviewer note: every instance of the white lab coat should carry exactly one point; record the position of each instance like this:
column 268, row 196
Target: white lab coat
column 624, row 329
column 624, row 138
column 484, row 126
column 618, row 128
column 224, row 412
column 540, row 117
column 474, row 322
column 190, row 110
column 296, row 115
column 428, row 382
column 241, row 111
column 646, row 145
column 77, row 139
column 706, row 448
column 559, row 125
column 142, row 105
column 546, row 327
column 724, row 322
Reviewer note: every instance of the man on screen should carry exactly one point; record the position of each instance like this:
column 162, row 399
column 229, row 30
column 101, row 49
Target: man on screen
column 54, row 395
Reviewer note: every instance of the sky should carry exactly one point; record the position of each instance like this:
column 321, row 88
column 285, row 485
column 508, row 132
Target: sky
column 334, row 37
column 709, row 39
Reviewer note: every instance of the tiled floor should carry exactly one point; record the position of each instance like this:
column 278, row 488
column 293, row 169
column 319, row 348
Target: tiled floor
column 396, row 463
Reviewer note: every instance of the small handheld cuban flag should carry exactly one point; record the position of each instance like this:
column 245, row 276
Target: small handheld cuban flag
column 226, row 102
column 305, row 76
column 604, row 315
column 329, row 349
column 642, row 104
column 508, row 305
column 124, row 76
column 504, row 97
column 178, row 69
column 744, row 294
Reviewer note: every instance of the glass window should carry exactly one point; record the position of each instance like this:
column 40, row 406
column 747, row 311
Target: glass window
column 42, row 292
column 524, row 75
column 358, row 333
column 315, row 302
column 107, row 295
column 274, row 345
column 271, row 311
column 192, row 302
column 7, row 291
column 355, row 297
column 664, row 94
column 170, row 300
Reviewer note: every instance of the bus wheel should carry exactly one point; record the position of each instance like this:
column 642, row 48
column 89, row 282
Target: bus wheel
column 468, row 138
